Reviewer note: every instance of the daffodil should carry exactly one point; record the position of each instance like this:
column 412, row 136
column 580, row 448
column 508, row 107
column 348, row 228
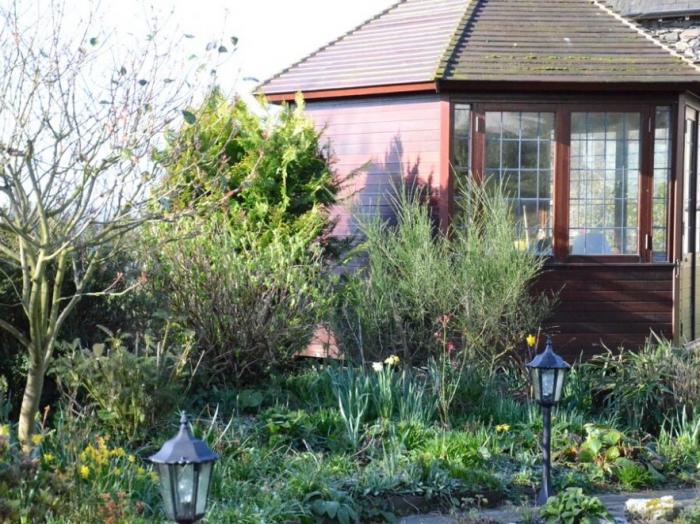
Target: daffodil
column 154, row 477
column 37, row 440
column 48, row 457
column 117, row 452
column 531, row 340
column 131, row 459
column 4, row 430
column 393, row 360
column 377, row 366
column 84, row 472
column 502, row 428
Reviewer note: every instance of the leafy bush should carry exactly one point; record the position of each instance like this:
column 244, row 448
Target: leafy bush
column 424, row 295
column 129, row 389
column 573, row 507
column 252, row 306
column 267, row 176
column 646, row 387
column 245, row 270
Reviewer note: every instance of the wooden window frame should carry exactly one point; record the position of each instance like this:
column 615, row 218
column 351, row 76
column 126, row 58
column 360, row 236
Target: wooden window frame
column 562, row 165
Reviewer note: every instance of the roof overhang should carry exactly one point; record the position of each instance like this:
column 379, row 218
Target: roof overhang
column 353, row 92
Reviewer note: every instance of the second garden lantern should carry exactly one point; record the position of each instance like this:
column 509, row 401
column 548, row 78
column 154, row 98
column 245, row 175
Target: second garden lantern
column 547, row 374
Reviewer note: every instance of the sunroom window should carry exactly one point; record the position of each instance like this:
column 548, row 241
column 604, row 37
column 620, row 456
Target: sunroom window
column 662, row 175
column 582, row 181
column 604, row 184
column 520, row 157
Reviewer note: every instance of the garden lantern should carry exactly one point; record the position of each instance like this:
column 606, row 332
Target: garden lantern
column 547, row 373
column 185, row 467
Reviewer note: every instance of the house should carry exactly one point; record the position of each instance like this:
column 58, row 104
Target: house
column 591, row 124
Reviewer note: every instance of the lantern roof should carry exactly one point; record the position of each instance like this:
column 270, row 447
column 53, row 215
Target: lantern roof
column 548, row 359
column 184, row 448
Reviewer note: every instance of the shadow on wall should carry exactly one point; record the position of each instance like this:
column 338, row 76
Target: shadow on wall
column 382, row 180
column 376, row 194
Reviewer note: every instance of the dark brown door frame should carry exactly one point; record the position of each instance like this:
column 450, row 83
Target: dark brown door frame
column 686, row 263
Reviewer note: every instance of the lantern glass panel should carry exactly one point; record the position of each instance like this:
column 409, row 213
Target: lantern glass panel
column 548, row 383
column 561, row 375
column 165, row 474
column 203, row 487
column 535, row 379
column 185, row 488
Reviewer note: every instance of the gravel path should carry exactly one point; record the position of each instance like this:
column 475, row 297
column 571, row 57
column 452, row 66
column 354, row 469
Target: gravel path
column 615, row 502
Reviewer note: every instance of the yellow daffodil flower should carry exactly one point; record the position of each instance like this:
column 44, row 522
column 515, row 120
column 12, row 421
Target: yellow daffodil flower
column 393, row 360
column 48, row 457
column 84, row 472
column 502, row 428
column 531, row 340
column 37, row 440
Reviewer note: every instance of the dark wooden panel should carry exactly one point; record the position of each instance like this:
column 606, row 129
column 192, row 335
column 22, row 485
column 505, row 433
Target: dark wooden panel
column 603, row 305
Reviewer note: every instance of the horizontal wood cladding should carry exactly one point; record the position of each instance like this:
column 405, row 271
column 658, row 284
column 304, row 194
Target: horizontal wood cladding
column 378, row 140
column 607, row 305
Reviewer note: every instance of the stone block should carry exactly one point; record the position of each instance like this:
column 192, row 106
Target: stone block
column 663, row 508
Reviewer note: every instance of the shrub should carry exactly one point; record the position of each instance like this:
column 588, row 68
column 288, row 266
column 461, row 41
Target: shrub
column 424, row 295
column 129, row 389
column 267, row 176
column 252, row 305
column 646, row 387
column 573, row 507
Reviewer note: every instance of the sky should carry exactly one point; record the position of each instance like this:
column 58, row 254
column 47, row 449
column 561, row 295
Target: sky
column 272, row 34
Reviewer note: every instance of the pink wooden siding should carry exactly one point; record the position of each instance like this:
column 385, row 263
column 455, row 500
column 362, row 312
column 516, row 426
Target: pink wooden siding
column 381, row 139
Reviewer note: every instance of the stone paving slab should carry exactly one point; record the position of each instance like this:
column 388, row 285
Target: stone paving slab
column 615, row 502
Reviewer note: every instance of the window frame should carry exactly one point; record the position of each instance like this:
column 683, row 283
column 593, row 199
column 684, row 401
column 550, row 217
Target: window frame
column 562, row 111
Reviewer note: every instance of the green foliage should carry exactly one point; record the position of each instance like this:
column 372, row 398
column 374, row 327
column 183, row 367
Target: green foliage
column 632, row 476
column 74, row 474
column 266, row 176
column 129, row 389
column 645, row 388
column 424, row 295
column 252, row 305
column 573, row 507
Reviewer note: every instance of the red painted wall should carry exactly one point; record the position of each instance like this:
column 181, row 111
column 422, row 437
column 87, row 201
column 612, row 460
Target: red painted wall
column 382, row 139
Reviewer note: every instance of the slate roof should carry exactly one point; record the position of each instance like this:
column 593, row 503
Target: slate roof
column 655, row 8
column 579, row 41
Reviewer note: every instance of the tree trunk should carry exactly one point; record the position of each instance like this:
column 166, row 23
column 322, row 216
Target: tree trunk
column 30, row 405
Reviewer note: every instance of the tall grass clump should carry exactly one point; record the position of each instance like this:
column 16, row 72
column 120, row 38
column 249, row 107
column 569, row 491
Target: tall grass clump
column 426, row 295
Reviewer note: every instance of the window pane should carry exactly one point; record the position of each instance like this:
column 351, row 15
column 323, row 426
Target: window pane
column 519, row 156
column 461, row 144
column 662, row 174
column 604, row 177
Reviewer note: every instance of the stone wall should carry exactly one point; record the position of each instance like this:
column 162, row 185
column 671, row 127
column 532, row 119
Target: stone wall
column 680, row 34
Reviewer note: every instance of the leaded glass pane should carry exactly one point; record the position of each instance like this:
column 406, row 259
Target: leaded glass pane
column 519, row 157
column 604, row 182
column 662, row 174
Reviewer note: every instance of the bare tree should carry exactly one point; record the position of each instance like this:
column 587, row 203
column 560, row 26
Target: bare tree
column 79, row 121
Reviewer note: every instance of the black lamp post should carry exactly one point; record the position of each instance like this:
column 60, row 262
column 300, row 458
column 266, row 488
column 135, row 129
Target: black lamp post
column 547, row 373
column 185, row 470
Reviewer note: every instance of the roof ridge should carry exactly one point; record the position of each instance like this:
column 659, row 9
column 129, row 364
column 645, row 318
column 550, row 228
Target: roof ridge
column 446, row 56
column 329, row 44
column 633, row 25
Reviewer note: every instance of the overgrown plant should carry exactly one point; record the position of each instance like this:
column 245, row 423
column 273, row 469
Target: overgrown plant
column 476, row 275
column 130, row 384
column 252, row 304
column 646, row 387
